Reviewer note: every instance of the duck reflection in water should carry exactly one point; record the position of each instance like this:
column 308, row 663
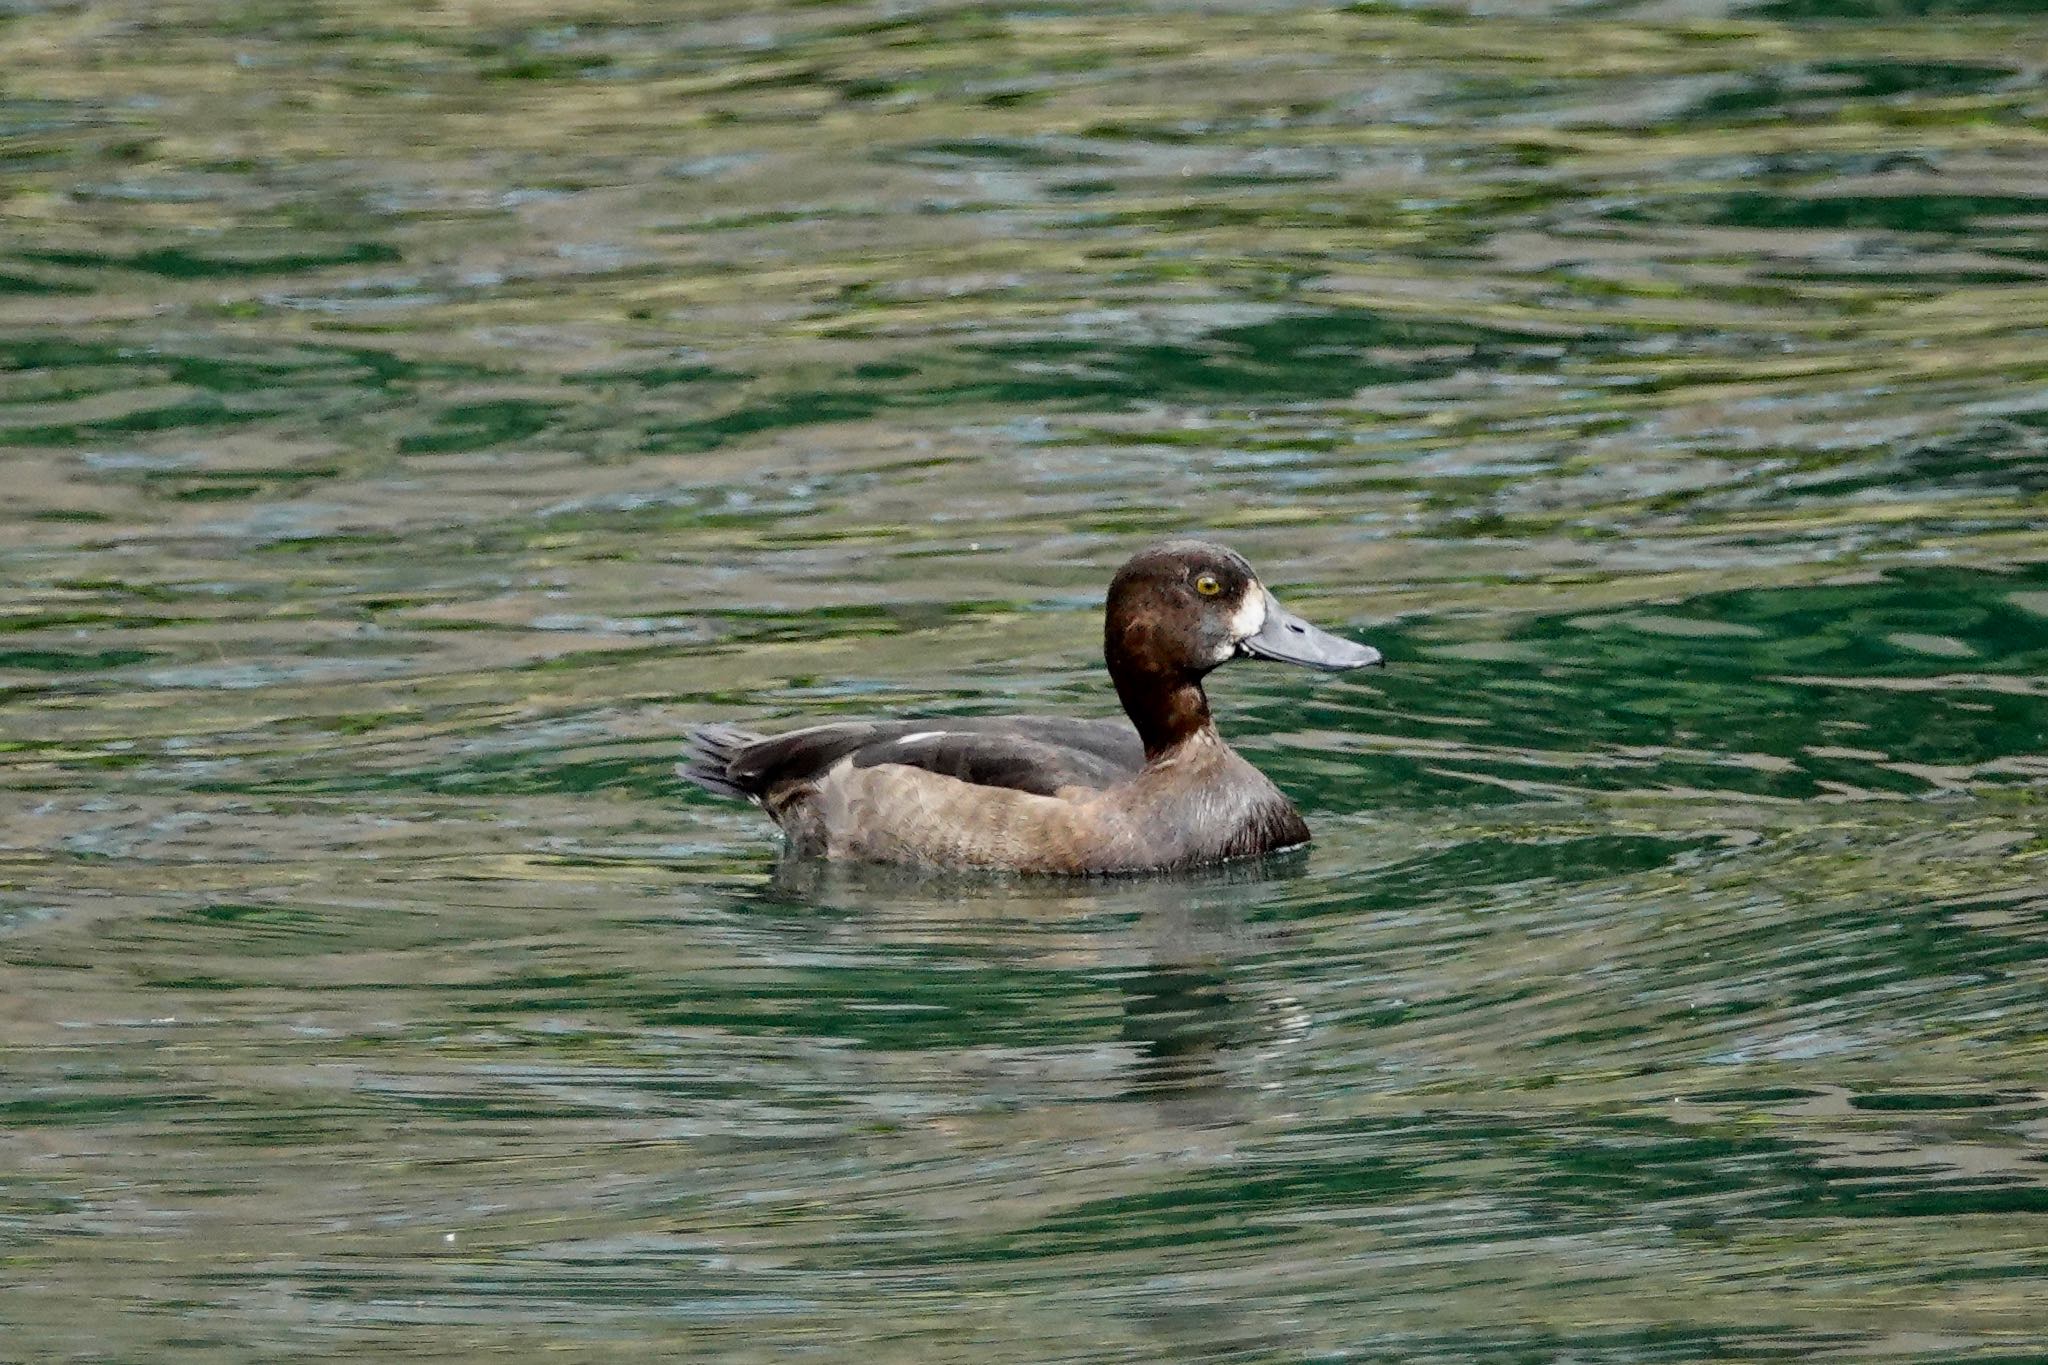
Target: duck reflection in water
column 1188, row 1025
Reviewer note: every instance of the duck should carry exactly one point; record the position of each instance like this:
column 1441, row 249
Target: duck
column 1155, row 792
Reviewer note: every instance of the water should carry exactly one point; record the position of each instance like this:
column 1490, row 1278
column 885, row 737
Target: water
column 416, row 417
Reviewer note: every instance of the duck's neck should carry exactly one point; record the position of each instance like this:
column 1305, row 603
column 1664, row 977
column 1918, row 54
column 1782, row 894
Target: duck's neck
column 1168, row 709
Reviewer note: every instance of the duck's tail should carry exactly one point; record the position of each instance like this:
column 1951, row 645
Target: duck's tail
column 708, row 760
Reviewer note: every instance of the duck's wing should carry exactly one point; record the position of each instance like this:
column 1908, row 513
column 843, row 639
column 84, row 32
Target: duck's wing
column 1038, row 754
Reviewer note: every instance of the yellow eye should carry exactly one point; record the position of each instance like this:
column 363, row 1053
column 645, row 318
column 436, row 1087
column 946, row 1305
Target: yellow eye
column 1208, row 585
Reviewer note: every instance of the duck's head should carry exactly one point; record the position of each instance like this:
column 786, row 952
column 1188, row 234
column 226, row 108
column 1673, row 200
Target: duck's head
column 1183, row 607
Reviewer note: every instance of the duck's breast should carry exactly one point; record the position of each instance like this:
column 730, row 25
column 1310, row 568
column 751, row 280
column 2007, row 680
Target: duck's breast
column 1206, row 803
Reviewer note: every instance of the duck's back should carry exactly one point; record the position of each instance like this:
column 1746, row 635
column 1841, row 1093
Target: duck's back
column 1038, row 754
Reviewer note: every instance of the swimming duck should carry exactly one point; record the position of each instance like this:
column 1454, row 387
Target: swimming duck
column 1050, row 793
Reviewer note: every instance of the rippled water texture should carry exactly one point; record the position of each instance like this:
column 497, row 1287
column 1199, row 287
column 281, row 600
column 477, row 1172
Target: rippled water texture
column 415, row 416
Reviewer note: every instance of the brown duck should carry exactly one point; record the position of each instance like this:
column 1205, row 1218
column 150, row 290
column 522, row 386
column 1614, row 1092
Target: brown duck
column 1049, row 793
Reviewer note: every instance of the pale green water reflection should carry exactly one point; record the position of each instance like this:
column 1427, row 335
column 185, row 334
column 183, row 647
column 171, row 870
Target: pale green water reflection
column 416, row 416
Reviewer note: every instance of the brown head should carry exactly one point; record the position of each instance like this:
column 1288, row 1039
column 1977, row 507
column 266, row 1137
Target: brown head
column 1183, row 607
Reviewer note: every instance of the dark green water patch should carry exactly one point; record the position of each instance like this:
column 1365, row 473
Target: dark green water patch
column 53, row 1106
column 28, row 284
column 1876, row 1197
column 1767, row 95
column 997, row 151
column 208, row 485
column 55, row 620
column 229, row 913
column 198, row 416
column 529, row 65
column 218, row 367
column 1938, row 1101
column 1884, row 79
column 665, row 376
column 72, row 660
column 1753, row 1095
column 179, row 263
column 1790, row 92
column 1948, row 214
column 1896, row 11
column 482, row 426
column 1917, row 278
column 245, row 931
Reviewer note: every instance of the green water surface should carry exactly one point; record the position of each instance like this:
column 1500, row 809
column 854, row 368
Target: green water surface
column 415, row 416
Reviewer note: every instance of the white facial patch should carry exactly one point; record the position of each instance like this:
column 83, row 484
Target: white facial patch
column 1245, row 622
column 921, row 736
column 1250, row 617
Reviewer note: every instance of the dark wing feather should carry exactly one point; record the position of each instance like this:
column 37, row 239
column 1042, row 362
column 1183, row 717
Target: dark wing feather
column 1027, row 753
column 995, row 759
